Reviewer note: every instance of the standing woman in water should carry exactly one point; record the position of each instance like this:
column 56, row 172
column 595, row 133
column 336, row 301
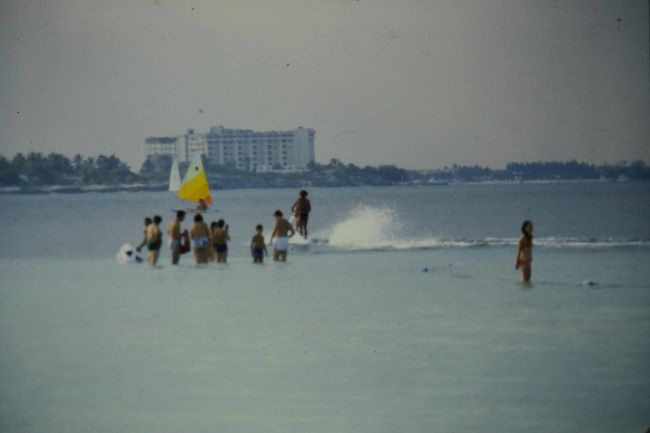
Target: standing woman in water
column 525, row 251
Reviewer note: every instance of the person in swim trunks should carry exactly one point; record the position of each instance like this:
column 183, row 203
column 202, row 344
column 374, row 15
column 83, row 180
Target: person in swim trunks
column 175, row 236
column 154, row 240
column 281, row 233
column 301, row 209
column 525, row 251
column 200, row 234
column 258, row 246
column 220, row 240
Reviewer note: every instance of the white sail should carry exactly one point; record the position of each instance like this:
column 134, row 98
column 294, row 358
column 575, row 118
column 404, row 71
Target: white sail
column 174, row 177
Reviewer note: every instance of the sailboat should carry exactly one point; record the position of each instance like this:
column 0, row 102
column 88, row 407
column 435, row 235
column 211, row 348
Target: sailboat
column 174, row 177
column 194, row 186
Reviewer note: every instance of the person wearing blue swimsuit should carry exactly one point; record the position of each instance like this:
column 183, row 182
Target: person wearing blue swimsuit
column 258, row 246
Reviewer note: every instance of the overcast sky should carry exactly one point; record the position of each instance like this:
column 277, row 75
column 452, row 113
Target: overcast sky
column 417, row 83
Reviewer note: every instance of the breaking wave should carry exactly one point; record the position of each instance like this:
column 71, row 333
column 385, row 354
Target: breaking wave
column 369, row 228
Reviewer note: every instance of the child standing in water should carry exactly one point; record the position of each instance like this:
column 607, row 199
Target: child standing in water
column 200, row 234
column 258, row 246
column 220, row 240
column 525, row 251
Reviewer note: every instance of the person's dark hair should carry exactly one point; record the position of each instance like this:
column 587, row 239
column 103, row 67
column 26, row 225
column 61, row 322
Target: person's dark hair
column 523, row 229
column 213, row 224
column 259, row 227
column 221, row 223
column 303, row 193
column 278, row 213
column 147, row 221
column 157, row 219
column 198, row 218
column 180, row 214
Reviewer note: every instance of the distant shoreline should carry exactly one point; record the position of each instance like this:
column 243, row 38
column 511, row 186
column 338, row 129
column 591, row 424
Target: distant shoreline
column 36, row 173
column 84, row 189
column 67, row 189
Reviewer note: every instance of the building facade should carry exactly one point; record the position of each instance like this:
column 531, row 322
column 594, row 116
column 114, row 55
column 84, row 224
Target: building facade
column 245, row 149
column 161, row 146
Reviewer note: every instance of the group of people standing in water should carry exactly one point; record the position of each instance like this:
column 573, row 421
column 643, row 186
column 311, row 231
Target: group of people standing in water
column 211, row 243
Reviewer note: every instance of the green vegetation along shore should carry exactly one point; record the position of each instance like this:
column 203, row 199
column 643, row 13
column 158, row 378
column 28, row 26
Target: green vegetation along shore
column 55, row 172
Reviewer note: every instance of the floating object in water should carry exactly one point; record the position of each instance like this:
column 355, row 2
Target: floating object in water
column 425, row 269
column 128, row 255
column 588, row 283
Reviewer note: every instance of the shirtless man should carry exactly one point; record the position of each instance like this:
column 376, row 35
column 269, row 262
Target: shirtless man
column 281, row 233
column 220, row 240
column 301, row 209
column 175, row 235
column 154, row 240
column 200, row 234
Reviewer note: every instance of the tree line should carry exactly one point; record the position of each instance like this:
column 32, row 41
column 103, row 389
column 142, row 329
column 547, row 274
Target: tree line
column 35, row 169
column 549, row 170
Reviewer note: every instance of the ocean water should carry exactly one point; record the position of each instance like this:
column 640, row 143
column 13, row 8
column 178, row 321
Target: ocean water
column 403, row 313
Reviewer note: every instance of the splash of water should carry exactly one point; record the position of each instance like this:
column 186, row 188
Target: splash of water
column 370, row 228
column 365, row 228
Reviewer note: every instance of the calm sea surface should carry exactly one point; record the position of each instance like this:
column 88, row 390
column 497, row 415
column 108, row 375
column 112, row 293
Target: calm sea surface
column 351, row 334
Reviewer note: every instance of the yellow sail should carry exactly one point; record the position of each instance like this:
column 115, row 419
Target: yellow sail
column 195, row 183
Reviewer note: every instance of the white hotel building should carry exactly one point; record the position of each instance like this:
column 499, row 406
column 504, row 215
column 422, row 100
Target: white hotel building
column 248, row 150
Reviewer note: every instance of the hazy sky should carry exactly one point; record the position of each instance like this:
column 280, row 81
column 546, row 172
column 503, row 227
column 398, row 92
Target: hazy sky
column 417, row 83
